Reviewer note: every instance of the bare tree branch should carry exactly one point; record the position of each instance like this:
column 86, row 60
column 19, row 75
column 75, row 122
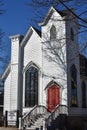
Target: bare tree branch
column 3, row 58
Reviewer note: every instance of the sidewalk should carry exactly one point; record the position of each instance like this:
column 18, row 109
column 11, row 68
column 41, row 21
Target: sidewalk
column 8, row 128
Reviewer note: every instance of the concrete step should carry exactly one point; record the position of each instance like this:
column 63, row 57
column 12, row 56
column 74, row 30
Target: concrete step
column 32, row 128
column 36, row 123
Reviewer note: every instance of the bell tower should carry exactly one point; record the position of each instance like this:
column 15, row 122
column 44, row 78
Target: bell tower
column 73, row 66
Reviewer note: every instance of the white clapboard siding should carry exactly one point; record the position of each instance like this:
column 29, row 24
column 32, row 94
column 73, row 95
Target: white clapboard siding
column 32, row 50
column 14, row 51
column 7, row 93
column 14, row 86
column 14, row 71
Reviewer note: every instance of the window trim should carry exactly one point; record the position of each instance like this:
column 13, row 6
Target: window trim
column 35, row 67
column 52, row 32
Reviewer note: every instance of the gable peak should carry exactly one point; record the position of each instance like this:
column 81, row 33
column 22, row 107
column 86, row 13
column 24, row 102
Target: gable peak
column 49, row 14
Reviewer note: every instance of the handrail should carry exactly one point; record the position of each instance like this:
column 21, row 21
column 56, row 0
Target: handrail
column 29, row 112
column 59, row 109
column 30, row 117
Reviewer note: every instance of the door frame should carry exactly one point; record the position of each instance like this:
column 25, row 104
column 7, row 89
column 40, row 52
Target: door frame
column 50, row 85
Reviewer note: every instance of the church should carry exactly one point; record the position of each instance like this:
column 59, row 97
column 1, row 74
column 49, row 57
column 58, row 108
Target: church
column 45, row 83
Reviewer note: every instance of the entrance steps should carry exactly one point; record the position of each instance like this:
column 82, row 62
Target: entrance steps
column 37, row 124
column 40, row 119
column 35, row 118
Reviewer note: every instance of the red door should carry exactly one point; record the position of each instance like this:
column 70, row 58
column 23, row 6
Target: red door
column 53, row 97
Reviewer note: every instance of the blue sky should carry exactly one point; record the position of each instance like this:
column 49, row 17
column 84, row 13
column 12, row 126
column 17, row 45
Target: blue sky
column 15, row 20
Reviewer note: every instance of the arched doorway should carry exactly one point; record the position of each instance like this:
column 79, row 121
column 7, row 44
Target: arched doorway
column 53, row 97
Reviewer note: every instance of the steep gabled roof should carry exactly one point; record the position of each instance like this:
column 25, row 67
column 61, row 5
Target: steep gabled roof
column 38, row 31
column 29, row 33
column 6, row 72
column 49, row 14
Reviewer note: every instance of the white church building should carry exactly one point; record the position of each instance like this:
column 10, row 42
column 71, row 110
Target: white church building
column 46, row 79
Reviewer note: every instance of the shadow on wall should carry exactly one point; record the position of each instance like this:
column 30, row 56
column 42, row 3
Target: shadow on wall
column 1, row 119
column 77, row 123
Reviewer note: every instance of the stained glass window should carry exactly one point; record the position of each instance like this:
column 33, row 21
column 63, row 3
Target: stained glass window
column 31, row 87
column 73, row 86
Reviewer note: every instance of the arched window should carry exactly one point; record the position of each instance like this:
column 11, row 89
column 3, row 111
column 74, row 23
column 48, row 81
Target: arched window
column 73, row 86
column 31, row 87
column 52, row 33
column 83, row 94
column 72, row 34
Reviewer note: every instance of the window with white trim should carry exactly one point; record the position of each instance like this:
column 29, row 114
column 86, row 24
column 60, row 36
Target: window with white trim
column 31, row 87
column 53, row 33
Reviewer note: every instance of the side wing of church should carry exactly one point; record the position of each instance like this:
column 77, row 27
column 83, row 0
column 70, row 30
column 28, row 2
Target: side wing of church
column 45, row 73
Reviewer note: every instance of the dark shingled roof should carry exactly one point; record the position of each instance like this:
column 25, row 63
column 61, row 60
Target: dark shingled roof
column 38, row 31
column 62, row 13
